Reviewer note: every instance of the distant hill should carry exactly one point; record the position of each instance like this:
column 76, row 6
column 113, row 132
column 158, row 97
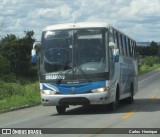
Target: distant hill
column 145, row 43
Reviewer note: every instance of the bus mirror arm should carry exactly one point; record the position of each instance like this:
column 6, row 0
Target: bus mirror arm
column 112, row 44
column 33, row 52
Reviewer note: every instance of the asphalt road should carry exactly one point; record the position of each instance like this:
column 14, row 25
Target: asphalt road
column 143, row 113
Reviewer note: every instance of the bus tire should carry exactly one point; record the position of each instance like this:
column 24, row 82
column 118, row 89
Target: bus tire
column 131, row 98
column 61, row 109
column 115, row 103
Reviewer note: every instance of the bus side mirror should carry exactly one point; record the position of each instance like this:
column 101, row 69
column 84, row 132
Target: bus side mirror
column 116, row 55
column 115, row 51
column 33, row 52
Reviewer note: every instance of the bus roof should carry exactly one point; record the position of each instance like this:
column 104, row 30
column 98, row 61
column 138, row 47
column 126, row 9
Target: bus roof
column 82, row 25
column 77, row 26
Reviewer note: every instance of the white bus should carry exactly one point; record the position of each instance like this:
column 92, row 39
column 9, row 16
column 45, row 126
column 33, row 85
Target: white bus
column 86, row 63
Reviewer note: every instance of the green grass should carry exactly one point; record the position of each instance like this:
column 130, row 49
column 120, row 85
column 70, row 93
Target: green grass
column 17, row 95
column 149, row 63
column 144, row 68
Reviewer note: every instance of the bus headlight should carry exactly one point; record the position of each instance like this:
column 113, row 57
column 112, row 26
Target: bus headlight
column 100, row 90
column 48, row 92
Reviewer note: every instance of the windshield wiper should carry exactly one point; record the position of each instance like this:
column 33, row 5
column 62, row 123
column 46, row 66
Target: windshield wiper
column 83, row 73
column 58, row 81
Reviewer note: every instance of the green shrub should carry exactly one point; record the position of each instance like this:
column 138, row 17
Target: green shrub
column 10, row 89
column 143, row 68
column 149, row 63
column 15, row 95
column 151, row 60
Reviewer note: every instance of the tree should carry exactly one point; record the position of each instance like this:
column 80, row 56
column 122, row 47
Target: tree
column 17, row 51
column 5, row 66
column 154, row 48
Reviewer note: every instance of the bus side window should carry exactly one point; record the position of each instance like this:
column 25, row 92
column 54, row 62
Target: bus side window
column 121, row 41
column 134, row 51
column 114, row 36
column 129, row 48
column 111, row 35
column 117, row 40
column 124, row 46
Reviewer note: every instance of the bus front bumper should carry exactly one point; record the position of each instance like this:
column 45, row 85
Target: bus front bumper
column 75, row 99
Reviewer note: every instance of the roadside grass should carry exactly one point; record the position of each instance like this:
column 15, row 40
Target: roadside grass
column 15, row 95
column 149, row 63
column 145, row 68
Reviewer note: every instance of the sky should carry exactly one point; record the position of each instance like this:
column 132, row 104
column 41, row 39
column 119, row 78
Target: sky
column 140, row 19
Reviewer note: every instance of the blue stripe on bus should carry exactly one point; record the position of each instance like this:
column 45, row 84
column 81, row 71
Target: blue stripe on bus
column 79, row 88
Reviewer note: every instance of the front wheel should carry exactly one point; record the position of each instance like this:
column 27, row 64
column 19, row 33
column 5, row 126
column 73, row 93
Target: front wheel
column 61, row 109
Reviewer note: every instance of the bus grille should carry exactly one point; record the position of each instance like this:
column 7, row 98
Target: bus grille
column 74, row 101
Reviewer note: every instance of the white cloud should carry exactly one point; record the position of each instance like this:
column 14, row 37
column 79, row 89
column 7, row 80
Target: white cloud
column 138, row 18
column 59, row 12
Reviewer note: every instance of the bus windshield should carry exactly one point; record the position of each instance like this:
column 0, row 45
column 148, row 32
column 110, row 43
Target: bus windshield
column 57, row 50
column 76, row 53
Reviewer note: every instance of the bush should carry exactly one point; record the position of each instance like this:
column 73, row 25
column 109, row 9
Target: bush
column 16, row 95
column 149, row 63
column 143, row 68
column 11, row 89
column 151, row 60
